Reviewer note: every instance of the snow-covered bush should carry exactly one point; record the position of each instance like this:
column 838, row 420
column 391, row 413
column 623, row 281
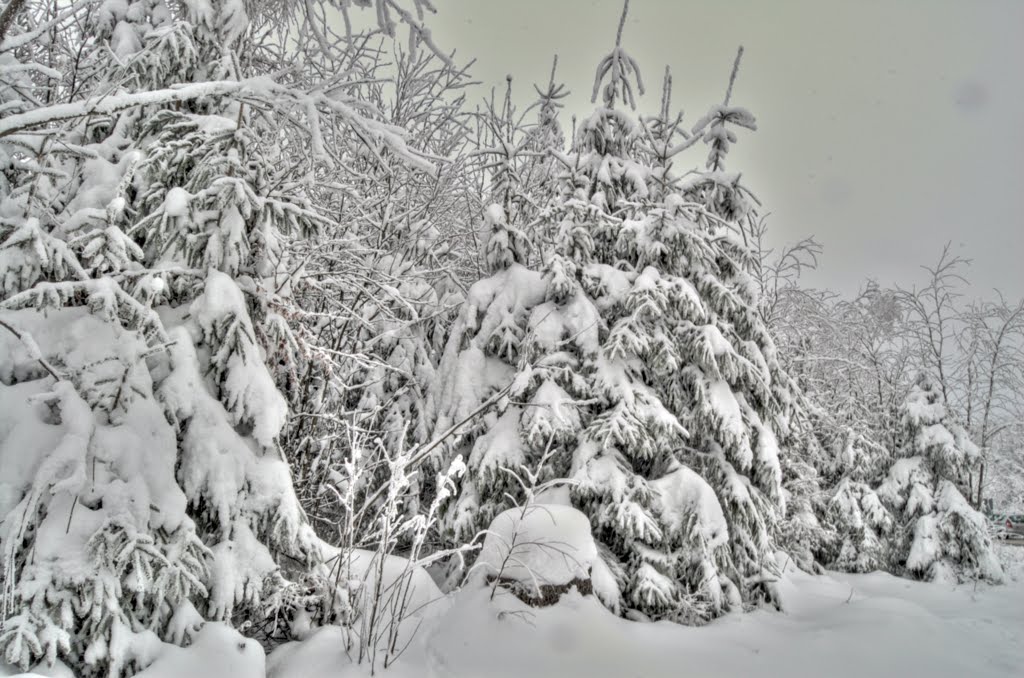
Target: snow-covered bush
column 943, row 537
column 383, row 547
column 144, row 254
column 372, row 296
column 864, row 526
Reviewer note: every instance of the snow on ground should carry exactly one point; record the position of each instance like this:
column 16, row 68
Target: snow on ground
column 837, row 625
column 218, row 652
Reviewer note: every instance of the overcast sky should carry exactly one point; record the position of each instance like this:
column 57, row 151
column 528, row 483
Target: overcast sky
column 886, row 128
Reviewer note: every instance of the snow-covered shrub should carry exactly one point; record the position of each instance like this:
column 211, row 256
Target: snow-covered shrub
column 637, row 354
column 1011, row 558
column 864, row 526
column 371, row 298
column 143, row 265
column 943, row 536
column 383, row 548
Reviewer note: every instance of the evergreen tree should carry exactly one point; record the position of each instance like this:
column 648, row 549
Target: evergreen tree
column 637, row 363
column 141, row 265
column 863, row 525
column 545, row 140
column 520, row 166
column 942, row 536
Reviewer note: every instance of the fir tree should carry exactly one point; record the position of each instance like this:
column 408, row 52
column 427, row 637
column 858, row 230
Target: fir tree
column 141, row 253
column 864, row 526
column 942, row 536
column 639, row 357
column 520, row 166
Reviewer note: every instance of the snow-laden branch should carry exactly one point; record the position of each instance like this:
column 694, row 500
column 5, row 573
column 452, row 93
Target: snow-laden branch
column 105, row 105
column 262, row 87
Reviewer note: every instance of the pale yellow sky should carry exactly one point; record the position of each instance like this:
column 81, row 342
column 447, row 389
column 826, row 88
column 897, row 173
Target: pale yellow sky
column 886, row 127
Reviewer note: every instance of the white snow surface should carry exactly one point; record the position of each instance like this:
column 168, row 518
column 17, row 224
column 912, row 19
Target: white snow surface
column 836, row 625
column 218, row 651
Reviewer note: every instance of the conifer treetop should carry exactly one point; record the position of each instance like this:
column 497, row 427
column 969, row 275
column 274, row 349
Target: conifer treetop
column 619, row 66
column 550, row 98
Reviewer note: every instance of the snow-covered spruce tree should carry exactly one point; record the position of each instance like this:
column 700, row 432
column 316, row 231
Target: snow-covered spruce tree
column 518, row 169
column 803, row 530
column 547, row 134
column 541, row 169
column 503, row 151
column 863, row 525
column 144, row 488
column 722, row 193
column 637, row 353
column 151, row 493
column 943, row 537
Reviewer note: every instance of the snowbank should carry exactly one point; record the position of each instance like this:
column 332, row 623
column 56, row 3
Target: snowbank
column 58, row 670
column 910, row 629
column 217, row 652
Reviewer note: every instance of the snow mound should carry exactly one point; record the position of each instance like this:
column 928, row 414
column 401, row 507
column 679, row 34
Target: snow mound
column 58, row 670
column 217, row 652
column 398, row 577
column 324, row 653
column 912, row 628
column 402, row 584
column 541, row 545
column 409, row 600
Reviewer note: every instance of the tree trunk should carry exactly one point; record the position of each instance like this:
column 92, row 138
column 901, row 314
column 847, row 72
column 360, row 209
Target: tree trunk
column 7, row 16
column 981, row 485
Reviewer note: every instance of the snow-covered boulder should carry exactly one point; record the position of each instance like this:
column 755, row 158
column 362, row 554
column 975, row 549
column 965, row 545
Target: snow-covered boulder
column 539, row 552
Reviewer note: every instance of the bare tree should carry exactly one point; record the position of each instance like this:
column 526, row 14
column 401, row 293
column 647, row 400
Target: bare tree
column 935, row 318
column 993, row 364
